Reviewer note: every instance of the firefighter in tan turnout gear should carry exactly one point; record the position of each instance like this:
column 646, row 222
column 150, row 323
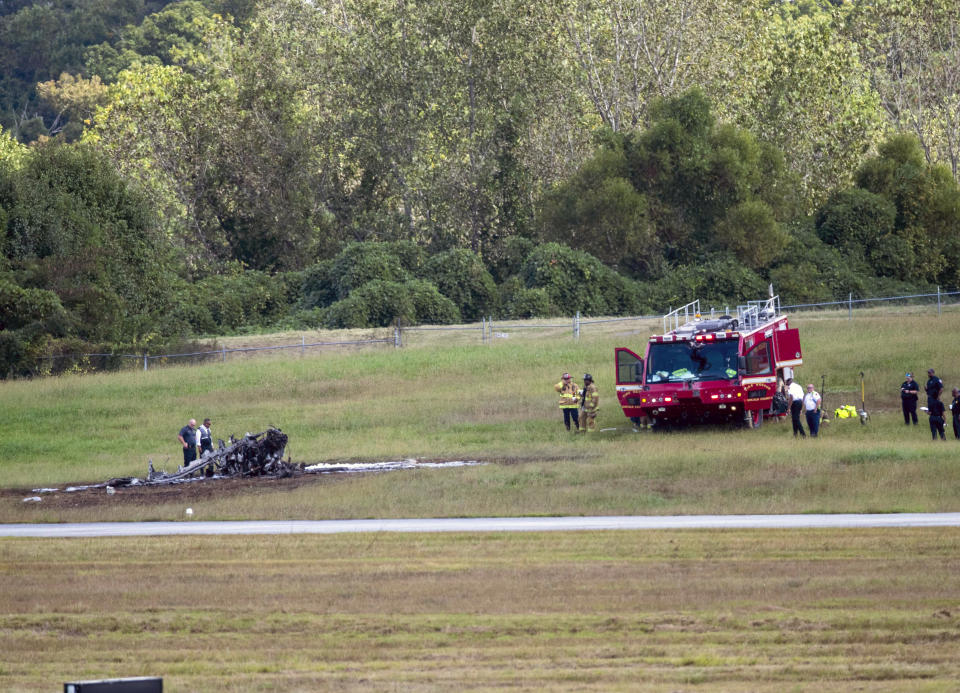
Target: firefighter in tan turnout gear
column 589, row 404
column 569, row 400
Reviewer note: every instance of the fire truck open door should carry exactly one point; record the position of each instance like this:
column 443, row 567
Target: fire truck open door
column 786, row 348
column 629, row 367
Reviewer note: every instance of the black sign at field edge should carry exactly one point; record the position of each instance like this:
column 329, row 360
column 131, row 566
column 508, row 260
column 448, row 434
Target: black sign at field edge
column 140, row 684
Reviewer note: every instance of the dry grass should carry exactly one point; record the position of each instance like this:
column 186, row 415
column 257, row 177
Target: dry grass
column 757, row 611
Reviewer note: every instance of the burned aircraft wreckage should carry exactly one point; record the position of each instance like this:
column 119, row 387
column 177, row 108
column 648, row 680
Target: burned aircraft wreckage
column 256, row 454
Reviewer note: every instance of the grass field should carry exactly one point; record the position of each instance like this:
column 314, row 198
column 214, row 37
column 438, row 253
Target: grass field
column 655, row 611
column 493, row 403
column 662, row 611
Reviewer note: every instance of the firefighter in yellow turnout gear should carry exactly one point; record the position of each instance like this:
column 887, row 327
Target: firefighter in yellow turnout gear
column 589, row 404
column 569, row 400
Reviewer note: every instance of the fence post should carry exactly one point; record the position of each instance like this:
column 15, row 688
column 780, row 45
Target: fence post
column 850, row 306
column 490, row 325
column 223, row 353
column 303, row 344
column 483, row 330
column 396, row 337
column 576, row 325
column 144, row 362
column 939, row 313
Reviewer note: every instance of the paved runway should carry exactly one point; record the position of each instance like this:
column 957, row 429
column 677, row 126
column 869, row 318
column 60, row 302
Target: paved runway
column 483, row 524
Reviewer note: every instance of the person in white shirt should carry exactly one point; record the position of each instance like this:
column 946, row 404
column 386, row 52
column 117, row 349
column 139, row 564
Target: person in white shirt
column 811, row 406
column 795, row 397
column 204, row 438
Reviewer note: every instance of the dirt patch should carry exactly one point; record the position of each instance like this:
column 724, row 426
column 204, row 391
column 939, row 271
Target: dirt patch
column 145, row 496
column 194, row 491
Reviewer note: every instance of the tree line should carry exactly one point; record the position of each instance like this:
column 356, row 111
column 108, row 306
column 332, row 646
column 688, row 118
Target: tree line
column 174, row 170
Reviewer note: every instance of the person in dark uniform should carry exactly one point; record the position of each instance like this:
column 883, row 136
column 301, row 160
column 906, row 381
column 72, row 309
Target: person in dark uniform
column 188, row 439
column 935, row 410
column 909, row 390
column 955, row 410
column 933, row 387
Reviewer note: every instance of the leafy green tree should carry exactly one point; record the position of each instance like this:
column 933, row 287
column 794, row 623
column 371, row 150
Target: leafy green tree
column 75, row 228
column 226, row 149
column 902, row 219
column 40, row 41
column 701, row 179
column 857, row 221
column 170, row 36
column 751, row 231
column 426, row 114
column 12, row 153
column 670, row 193
column 802, row 87
column 599, row 211
column 632, row 53
column 911, row 51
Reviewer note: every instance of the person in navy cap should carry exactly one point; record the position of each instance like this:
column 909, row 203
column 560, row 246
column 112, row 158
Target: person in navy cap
column 908, row 399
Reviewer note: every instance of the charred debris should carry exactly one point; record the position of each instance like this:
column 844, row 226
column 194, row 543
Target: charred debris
column 253, row 455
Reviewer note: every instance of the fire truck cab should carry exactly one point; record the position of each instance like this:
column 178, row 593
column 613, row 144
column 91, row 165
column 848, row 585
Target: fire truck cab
column 715, row 369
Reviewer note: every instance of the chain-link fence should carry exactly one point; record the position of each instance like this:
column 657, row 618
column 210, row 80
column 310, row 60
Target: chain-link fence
column 62, row 363
column 487, row 331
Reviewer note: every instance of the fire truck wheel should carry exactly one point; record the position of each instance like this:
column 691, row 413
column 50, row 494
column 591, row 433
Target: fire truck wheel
column 755, row 418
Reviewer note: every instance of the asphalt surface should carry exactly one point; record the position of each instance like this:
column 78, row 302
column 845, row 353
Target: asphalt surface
column 482, row 524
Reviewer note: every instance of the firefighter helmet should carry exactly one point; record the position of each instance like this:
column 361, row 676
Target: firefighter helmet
column 587, row 376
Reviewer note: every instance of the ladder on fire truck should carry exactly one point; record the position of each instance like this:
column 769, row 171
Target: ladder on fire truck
column 688, row 314
column 756, row 313
column 751, row 315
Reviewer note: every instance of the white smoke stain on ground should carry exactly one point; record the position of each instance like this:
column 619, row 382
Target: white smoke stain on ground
column 389, row 466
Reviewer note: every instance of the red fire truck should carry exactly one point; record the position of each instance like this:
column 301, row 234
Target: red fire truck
column 710, row 369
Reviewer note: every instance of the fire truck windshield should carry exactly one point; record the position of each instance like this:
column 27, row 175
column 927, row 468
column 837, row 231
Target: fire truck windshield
column 675, row 362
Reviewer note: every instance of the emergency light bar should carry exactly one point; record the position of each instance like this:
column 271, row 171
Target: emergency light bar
column 702, row 337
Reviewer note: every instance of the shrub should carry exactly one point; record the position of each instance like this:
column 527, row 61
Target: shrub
column 853, row 220
column 319, row 288
column 20, row 307
column 350, row 312
column 518, row 302
column 249, row 298
column 27, row 316
column 459, row 274
column 362, row 263
column 800, row 282
column 432, row 307
column 381, row 304
column 576, row 281
column 304, row 319
column 375, row 304
column 411, row 256
column 720, row 280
